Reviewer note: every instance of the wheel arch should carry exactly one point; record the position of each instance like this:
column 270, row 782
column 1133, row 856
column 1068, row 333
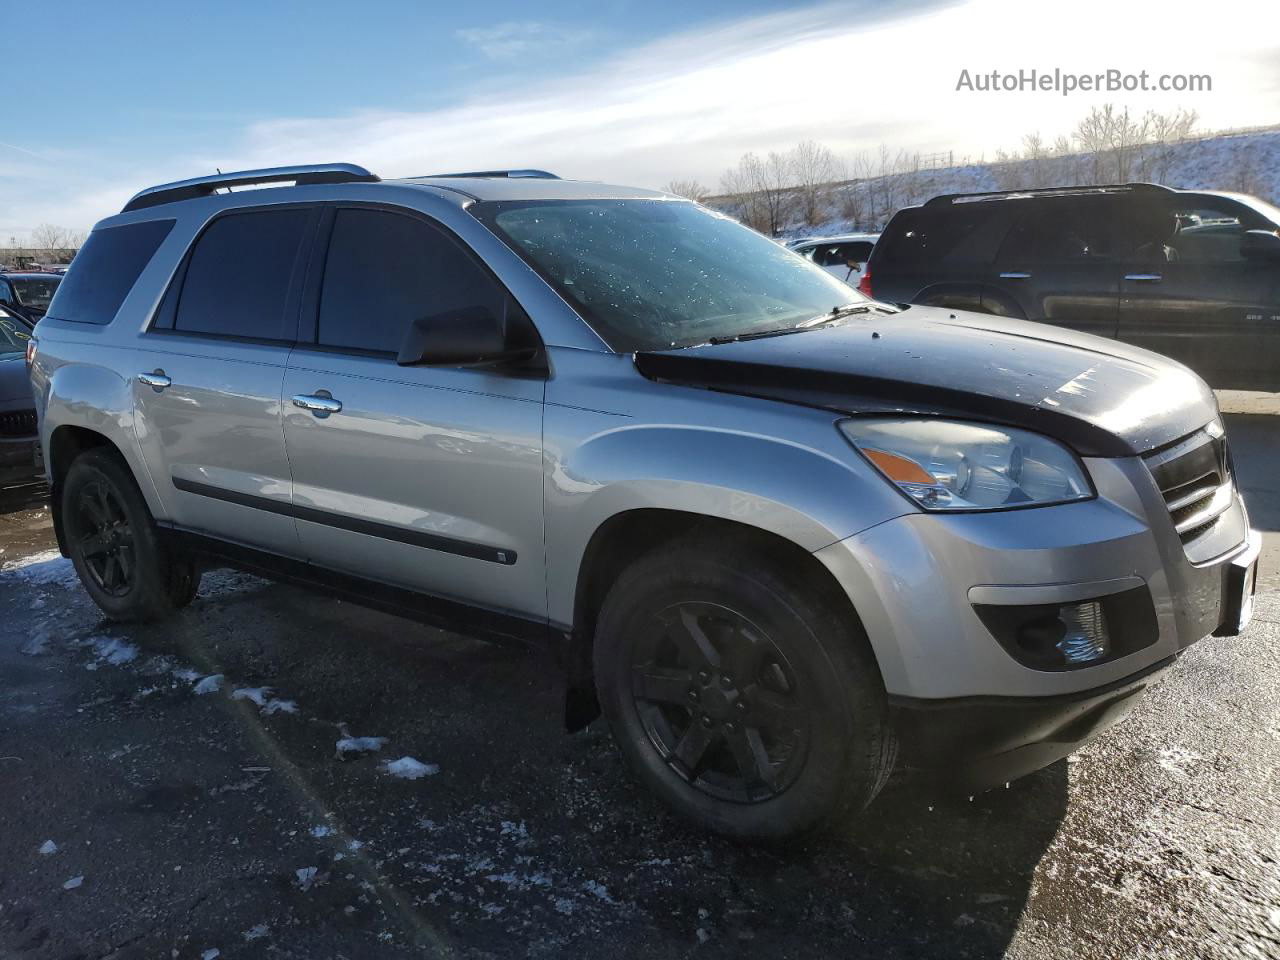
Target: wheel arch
column 627, row 536
column 65, row 444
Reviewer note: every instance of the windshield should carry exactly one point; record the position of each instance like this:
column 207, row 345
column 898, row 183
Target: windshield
column 13, row 335
column 657, row 274
column 35, row 291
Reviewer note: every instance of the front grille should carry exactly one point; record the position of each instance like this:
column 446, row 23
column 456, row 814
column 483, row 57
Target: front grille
column 18, row 423
column 1195, row 478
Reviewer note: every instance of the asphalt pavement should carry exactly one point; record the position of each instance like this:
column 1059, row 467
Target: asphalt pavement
column 197, row 789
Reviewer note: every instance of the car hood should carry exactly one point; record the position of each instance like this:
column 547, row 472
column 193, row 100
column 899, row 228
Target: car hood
column 14, row 383
column 1101, row 397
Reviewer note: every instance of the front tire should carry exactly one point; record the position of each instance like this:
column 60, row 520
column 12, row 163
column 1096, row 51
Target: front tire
column 745, row 698
column 114, row 544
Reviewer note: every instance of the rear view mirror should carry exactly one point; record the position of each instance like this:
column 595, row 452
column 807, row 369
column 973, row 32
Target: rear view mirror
column 1260, row 245
column 466, row 337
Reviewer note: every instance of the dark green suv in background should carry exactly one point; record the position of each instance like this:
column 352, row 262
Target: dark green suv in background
column 1192, row 275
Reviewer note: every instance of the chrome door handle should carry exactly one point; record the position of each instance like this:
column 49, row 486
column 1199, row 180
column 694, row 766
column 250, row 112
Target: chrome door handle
column 319, row 403
column 156, row 380
column 1144, row 277
column 1015, row 276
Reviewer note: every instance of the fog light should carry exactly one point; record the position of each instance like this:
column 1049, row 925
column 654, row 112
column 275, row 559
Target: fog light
column 1084, row 637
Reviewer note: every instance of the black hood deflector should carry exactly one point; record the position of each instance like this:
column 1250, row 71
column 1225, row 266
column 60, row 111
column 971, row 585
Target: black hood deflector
column 1100, row 397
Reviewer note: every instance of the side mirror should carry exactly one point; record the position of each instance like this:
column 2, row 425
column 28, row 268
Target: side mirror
column 467, row 337
column 1260, row 245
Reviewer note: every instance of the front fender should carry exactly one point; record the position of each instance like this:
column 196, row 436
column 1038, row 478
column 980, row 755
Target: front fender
column 804, row 494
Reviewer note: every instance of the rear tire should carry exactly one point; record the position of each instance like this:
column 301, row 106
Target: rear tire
column 115, row 546
column 745, row 698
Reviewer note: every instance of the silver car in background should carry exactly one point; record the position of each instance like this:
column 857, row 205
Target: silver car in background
column 786, row 538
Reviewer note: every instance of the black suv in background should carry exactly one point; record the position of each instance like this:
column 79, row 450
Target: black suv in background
column 28, row 293
column 1192, row 275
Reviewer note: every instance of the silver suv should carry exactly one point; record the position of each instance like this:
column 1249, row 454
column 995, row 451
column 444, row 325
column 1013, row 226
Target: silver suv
column 788, row 539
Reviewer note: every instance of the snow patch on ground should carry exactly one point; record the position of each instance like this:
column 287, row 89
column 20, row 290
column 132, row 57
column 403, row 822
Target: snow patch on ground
column 45, row 568
column 265, row 702
column 73, row 883
column 408, row 768
column 210, row 684
column 48, row 848
column 256, row 932
column 349, row 744
column 36, row 645
column 306, row 877
column 110, row 650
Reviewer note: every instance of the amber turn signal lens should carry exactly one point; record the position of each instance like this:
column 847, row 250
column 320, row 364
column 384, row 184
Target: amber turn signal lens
column 897, row 468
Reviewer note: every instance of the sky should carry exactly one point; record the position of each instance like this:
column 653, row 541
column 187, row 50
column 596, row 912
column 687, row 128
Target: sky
column 116, row 97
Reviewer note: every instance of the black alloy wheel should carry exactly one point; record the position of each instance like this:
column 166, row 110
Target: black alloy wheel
column 720, row 702
column 105, row 538
column 740, row 689
column 128, row 570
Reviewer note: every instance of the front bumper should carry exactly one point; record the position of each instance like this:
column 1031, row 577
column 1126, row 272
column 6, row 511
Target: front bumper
column 915, row 581
column 963, row 705
column 975, row 743
column 20, row 460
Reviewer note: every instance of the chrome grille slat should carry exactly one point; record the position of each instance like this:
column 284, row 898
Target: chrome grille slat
column 18, row 423
column 1216, row 506
column 1199, row 493
column 1194, row 478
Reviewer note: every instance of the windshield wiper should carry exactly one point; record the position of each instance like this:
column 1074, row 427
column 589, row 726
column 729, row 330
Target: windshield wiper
column 846, row 310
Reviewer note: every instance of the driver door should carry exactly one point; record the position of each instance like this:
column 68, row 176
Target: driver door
column 427, row 478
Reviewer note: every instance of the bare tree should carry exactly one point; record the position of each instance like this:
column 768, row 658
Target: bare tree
column 813, row 168
column 51, row 241
column 1093, row 136
column 1164, row 131
column 762, row 189
column 690, row 189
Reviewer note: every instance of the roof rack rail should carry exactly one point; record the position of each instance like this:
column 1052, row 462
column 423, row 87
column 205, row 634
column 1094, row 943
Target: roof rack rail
column 509, row 174
column 205, row 186
column 1045, row 192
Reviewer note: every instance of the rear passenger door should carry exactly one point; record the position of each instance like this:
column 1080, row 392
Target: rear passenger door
column 1188, row 293
column 209, row 372
column 1057, row 263
column 427, row 478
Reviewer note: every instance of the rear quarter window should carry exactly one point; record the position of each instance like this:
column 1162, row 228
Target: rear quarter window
column 959, row 233
column 105, row 270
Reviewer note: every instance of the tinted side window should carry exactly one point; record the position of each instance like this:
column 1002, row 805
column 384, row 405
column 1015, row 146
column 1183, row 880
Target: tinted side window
column 839, row 254
column 1209, row 234
column 239, row 276
column 958, row 233
column 105, row 270
column 386, row 270
column 1061, row 229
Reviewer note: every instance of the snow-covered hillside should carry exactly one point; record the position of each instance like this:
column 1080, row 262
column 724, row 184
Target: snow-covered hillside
column 1244, row 162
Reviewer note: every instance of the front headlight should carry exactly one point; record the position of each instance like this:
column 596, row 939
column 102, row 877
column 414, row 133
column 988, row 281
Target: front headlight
column 950, row 465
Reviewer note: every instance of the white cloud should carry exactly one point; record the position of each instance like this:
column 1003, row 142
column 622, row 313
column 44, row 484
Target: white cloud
column 519, row 38
column 688, row 105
